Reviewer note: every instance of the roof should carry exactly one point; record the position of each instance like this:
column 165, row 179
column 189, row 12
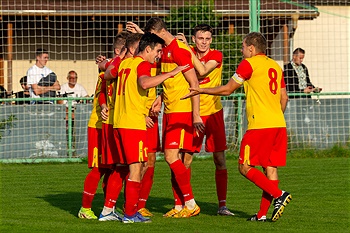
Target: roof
column 239, row 8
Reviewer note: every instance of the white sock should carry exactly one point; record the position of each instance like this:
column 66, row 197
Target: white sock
column 106, row 210
column 190, row 204
column 178, row 207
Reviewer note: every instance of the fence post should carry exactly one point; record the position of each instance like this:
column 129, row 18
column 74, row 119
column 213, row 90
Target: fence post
column 70, row 128
column 254, row 15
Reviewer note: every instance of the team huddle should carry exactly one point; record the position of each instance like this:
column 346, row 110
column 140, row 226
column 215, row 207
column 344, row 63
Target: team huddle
column 123, row 135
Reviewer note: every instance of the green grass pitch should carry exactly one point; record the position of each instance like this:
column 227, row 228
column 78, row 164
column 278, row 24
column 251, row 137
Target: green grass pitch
column 47, row 197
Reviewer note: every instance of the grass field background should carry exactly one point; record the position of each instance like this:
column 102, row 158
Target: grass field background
column 47, row 197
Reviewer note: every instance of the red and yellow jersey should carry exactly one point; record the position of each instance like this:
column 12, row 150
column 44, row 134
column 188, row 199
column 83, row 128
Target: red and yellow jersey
column 130, row 98
column 110, row 91
column 95, row 117
column 210, row 104
column 263, row 80
column 176, row 54
column 152, row 92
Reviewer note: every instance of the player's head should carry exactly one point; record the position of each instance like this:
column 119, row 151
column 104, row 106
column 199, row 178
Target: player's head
column 202, row 36
column 72, row 78
column 151, row 47
column 253, row 43
column 41, row 56
column 298, row 56
column 132, row 43
column 119, row 42
column 155, row 25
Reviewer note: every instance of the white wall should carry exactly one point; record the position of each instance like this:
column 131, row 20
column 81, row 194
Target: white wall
column 326, row 40
column 87, row 72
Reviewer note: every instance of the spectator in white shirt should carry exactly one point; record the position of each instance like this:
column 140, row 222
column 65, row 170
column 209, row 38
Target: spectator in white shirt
column 72, row 88
column 39, row 72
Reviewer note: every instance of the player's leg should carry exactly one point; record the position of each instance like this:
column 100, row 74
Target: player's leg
column 146, row 184
column 221, row 180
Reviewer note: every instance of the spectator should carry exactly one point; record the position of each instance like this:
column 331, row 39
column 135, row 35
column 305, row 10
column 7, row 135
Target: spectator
column 41, row 80
column 24, row 93
column 296, row 76
column 3, row 93
column 72, row 88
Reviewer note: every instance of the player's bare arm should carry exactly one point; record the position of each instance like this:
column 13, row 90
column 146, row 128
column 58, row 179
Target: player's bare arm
column 156, row 106
column 202, row 69
column 225, row 90
column 284, row 99
column 146, row 82
column 191, row 78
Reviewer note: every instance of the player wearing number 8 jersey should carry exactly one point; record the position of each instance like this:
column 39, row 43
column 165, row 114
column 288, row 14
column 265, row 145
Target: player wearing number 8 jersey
column 265, row 142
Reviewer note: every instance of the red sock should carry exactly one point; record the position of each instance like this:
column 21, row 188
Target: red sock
column 182, row 179
column 266, row 200
column 132, row 191
column 221, row 186
column 146, row 186
column 178, row 198
column 105, row 181
column 90, row 186
column 260, row 180
column 115, row 184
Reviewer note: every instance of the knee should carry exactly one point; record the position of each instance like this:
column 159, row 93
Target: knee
column 219, row 160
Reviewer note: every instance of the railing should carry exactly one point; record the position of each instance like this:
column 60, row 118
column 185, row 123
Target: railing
column 313, row 123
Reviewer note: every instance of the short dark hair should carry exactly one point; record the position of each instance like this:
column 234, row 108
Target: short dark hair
column 155, row 24
column 120, row 39
column 40, row 51
column 257, row 39
column 298, row 50
column 132, row 39
column 202, row 27
column 23, row 80
column 150, row 39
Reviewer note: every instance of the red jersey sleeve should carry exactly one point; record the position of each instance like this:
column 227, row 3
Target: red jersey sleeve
column 183, row 57
column 102, row 97
column 244, row 70
column 283, row 84
column 144, row 68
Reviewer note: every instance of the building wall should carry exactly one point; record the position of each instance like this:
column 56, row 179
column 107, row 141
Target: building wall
column 326, row 40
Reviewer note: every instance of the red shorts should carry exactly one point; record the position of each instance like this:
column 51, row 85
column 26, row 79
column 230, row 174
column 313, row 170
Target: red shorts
column 95, row 155
column 177, row 131
column 264, row 147
column 109, row 148
column 152, row 140
column 215, row 134
column 131, row 145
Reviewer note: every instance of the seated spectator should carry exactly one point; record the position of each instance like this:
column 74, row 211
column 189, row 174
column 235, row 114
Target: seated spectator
column 3, row 94
column 24, row 93
column 72, row 88
column 296, row 76
column 41, row 80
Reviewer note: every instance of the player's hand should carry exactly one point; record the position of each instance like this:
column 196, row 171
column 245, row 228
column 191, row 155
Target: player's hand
column 308, row 89
column 180, row 36
column 193, row 92
column 100, row 58
column 156, row 106
column 198, row 125
column 178, row 69
column 149, row 122
column 104, row 112
column 133, row 27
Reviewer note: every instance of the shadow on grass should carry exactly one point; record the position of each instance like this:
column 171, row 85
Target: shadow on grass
column 71, row 203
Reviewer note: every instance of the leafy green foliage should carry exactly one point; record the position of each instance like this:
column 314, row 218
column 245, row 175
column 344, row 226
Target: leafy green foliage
column 6, row 123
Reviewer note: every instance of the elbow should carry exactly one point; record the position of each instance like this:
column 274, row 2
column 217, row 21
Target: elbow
column 143, row 85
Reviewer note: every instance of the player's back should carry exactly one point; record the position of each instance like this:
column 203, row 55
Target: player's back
column 263, row 91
